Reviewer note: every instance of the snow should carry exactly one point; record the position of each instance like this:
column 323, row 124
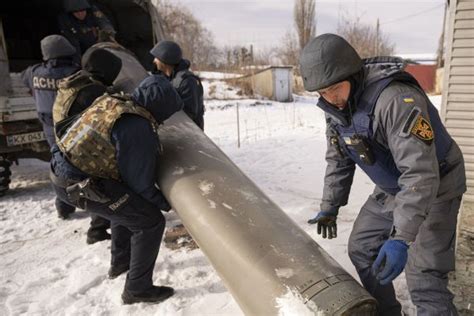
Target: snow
column 291, row 304
column 47, row 267
column 220, row 90
column 217, row 75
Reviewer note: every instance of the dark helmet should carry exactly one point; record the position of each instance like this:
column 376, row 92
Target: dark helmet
column 328, row 59
column 75, row 5
column 102, row 64
column 167, row 52
column 56, row 46
column 156, row 94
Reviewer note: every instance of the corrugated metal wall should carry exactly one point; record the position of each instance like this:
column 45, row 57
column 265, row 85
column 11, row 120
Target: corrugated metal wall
column 458, row 113
column 458, row 91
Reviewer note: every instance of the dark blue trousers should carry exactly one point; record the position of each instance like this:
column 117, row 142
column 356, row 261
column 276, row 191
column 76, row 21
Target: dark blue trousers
column 137, row 230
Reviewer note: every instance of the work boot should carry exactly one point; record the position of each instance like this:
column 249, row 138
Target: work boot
column 63, row 209
column 117, row 270
column 156, row 294
column 95, row 235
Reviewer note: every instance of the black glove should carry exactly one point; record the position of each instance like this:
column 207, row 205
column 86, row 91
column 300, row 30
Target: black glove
column 326, row 224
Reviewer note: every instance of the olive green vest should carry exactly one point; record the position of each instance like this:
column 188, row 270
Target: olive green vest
column 87, row 143
column 68, row 90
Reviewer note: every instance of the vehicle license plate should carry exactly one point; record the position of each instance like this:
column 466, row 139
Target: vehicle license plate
column 13, row 140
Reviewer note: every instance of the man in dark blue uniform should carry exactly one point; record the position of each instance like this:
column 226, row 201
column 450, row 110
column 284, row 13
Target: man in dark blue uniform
column 169, row 61
column 379, row 119
column 83, row 24
column 95, row 164
column 42, row 79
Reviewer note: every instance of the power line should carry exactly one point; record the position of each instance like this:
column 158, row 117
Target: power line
column 413, row 15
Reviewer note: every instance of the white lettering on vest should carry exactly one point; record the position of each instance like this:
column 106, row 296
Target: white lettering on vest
column 45, row 83
column 114, row 206
column 51, row 83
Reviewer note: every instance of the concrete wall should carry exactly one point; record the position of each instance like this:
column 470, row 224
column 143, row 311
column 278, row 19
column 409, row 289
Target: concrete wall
column 262, row 83
column 265, row 83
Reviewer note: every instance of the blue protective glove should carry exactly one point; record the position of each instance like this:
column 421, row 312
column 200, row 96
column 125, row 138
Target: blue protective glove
column 326, row 223
column 390, row 261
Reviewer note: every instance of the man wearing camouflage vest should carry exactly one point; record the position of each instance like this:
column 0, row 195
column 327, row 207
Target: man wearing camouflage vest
column 169, row 61
column 76, row 93
column 108, row 159
column 42, row 79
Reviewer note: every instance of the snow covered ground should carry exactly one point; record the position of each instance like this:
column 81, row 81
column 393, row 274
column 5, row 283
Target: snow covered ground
column 47, row 268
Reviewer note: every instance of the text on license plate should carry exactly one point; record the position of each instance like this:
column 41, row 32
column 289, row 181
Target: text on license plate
column 26, row 138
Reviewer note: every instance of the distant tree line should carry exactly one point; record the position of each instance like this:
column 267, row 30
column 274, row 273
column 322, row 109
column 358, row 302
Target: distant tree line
column 199, row 46
column 196, row 41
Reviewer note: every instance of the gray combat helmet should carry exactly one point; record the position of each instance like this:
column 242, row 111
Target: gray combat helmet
column 328, row 59
column 75, row 5
column 56, row 46
column 167, row 52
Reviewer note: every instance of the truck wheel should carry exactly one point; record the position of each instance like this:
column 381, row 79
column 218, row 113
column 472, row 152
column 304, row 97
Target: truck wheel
column 5, row 174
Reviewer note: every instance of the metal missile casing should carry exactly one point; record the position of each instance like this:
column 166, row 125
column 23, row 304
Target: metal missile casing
column 258, row 251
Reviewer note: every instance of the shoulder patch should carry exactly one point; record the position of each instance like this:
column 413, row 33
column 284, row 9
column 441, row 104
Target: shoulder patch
column 423, row 130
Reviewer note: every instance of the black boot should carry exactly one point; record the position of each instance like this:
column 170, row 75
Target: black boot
column 96, row 235
column 117, row 270
column 63, row 209
column 156, row 294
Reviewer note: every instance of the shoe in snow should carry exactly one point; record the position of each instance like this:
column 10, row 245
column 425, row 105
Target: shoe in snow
column 156, row 294
column 96, row 236
column 117, row 270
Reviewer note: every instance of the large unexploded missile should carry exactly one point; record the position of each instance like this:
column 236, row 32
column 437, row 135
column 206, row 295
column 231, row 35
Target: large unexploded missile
column 263, row 257
column 268, row 263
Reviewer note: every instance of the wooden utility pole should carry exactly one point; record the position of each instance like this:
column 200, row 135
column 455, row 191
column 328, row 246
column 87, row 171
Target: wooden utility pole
column 440, row 57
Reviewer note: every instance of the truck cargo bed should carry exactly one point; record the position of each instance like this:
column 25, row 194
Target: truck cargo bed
column 19, row 105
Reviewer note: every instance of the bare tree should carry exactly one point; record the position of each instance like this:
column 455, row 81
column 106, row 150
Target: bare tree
column 305, row 28
column 289, row 50
column 368, row 40
column 304, row 18
column 196, row 41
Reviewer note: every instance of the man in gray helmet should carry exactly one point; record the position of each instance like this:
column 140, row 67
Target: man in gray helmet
column 83, row 24
column 42, row 79
column 169, row 61
column 380, row 119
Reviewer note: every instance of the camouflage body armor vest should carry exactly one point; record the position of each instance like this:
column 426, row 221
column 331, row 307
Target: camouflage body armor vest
column 87, row 143
column 68, row 90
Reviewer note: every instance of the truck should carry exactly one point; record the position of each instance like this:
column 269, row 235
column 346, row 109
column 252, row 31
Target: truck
column 23, row 23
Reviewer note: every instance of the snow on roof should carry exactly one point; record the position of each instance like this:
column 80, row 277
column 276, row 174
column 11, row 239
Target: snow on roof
column 427, row 58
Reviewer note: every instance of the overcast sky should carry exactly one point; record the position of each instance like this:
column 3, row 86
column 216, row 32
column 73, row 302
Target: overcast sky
column 414, row 26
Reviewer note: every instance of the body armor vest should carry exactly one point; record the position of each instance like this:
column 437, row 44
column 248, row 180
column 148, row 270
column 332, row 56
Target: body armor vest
column 383, row 170
column 180, row 77
column 87, row 143
column 68, row 89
